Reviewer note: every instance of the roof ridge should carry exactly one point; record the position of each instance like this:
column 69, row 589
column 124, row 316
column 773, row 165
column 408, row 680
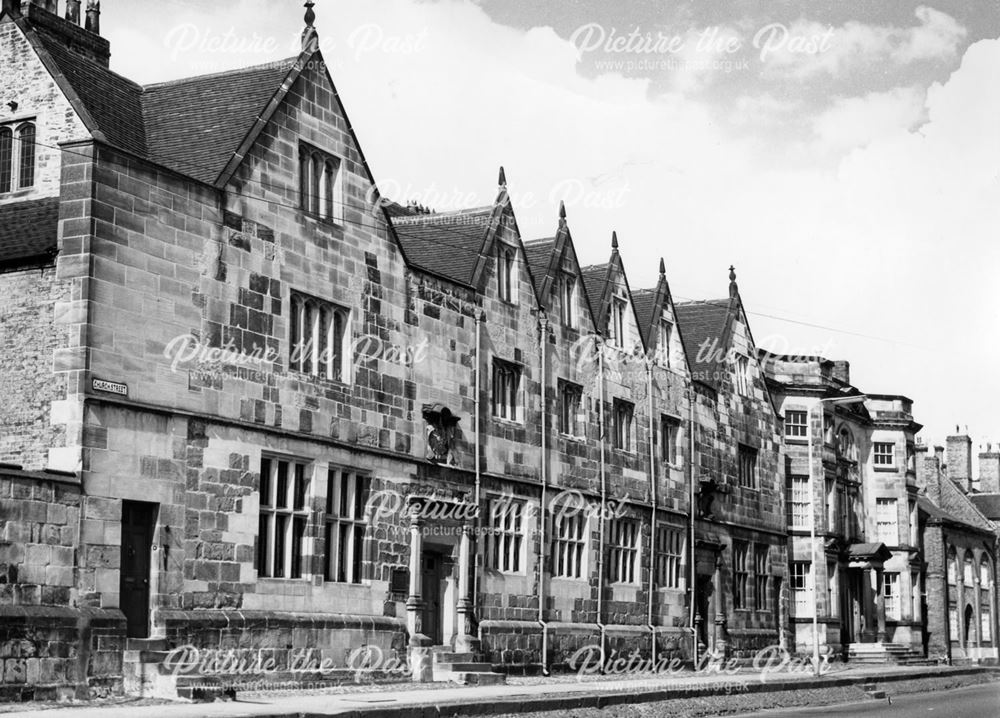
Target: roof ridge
column 430, row 218
column 272, row 65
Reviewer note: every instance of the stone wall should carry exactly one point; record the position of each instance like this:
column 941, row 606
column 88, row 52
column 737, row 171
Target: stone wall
column 30, row 301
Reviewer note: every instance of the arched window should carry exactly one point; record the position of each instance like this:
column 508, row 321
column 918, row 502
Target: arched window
column 967, row 570
column 985, row 574
column 328, row 179
column 952, row 566
column 846, row 444
column 26, row 160
column 505, row 266
column 320, row 184
column 6, row 158
column 315, row 179
column 317, row 337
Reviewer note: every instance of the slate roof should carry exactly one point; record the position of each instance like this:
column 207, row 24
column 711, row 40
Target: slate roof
column 447, row 244
column 114, row 102
column 28, row 230
column 193, row 126
column 988, row 505
column 594, row 278
column 644, row 302
column 702, row 322
column 961, row 508
column 538, row 253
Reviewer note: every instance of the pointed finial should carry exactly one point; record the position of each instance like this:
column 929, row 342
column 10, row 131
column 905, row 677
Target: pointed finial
column 614, row 240
column 562, row 210
column 310, row 38
column 502, row 181
column 733, row 289
column 663, row 267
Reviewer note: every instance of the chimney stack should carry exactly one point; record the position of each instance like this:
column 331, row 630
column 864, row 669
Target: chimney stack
column 84, row 41
column 989, row 470
column 842, row 371
column 959, row 461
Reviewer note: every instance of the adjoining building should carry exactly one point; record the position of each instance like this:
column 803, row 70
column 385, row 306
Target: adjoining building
column 856, row 565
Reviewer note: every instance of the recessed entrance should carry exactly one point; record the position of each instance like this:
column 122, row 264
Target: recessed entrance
column 138, row 524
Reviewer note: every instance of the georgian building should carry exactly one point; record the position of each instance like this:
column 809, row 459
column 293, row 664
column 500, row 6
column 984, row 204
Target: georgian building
column 851, row 501
column 251, row 405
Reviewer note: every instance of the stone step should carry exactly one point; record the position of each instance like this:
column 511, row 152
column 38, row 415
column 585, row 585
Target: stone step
column 480, row 679
column 463, row 667
column 452, row 657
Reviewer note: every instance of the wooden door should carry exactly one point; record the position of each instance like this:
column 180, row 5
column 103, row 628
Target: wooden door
column 138, row 523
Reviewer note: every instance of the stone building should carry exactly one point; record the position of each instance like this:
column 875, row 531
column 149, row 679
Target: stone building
column 856, row 564
column 739, row 530
column 960, row 544
column 251, row 405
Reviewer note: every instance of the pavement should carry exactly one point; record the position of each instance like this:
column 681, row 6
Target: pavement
column 561, row 693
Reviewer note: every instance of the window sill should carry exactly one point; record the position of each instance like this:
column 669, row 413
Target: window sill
column 506, row 574
column 301, row 376
column 884, row 468
column 510, row 422
column 581, row 580
column 572, row 437
column 328, row 221
column 797, row 440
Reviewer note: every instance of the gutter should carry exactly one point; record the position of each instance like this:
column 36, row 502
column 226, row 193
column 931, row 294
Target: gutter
column 692, row 588
column 652, row 530
column 480, row 316
column 542, row 515
column 604, row 502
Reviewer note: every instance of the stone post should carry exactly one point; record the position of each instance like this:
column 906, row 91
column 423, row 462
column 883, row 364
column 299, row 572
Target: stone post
column 420, row 645
column 880, row 603
column 465, row 642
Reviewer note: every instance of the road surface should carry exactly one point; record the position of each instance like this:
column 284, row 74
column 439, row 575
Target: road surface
column 981, row 701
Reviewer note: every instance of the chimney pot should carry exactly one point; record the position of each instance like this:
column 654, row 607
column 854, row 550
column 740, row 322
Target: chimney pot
column 73, row 11
column 93, row 23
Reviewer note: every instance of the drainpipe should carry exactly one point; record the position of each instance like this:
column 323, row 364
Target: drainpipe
column 604, row 502
column 480, row 317
column 692, row 509
column 652, row 529
column 542, row 515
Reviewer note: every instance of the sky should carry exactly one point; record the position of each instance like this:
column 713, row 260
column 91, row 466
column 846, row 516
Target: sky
column 843, row 155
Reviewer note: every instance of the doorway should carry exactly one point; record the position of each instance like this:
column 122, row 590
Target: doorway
column 433, row 574
column 138, row 525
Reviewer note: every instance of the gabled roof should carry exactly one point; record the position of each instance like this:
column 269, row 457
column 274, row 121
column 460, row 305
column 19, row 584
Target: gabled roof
column 705, row 324
column 595, row 278
column 869, row 552
column 645, row 302
column 540, row 254
column 29, row 231
column 960, row 508
column 988, row 505
column 447, row 244
column 193, row 126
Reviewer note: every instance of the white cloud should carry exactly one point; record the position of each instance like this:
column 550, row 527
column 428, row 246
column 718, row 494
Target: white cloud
column 806, row 48
column 856, row 121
